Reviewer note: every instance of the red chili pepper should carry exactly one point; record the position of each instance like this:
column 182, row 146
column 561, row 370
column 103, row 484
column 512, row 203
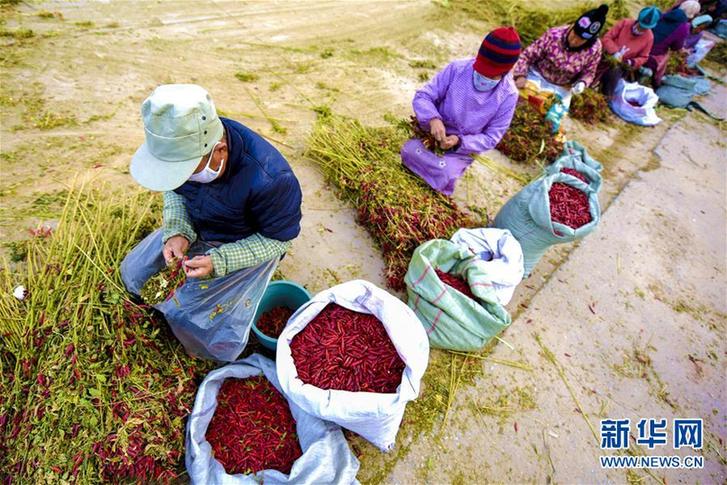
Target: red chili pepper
column 347, row 350
column 69, row 350
column 272, row 322
column 252, row 428
column 455, row 282
column 569, row 205
column 575, row 173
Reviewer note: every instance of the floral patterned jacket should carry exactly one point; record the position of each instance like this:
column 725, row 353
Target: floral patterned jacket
column 548, row 56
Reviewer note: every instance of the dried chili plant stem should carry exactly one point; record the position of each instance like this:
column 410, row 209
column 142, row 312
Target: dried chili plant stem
column 398, row 209
column 550, row 357
column 92, row 387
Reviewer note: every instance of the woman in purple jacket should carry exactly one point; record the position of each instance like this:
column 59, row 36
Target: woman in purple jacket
column 669, row 35
column 467, row 108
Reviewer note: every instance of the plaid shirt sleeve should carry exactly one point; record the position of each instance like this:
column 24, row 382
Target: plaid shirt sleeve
column 246, row 253
column 176, row 220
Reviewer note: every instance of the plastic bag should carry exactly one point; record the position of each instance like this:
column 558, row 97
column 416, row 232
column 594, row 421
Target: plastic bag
column 720, row 29
column 699, row 52
column 575, row 156
column 211, row 317
column 677, row 91
column 376, row 417
column 643, row 110
column 326, row 457
column 454, row 321
column 501, row 255
column 561, row 98
column 527, row 216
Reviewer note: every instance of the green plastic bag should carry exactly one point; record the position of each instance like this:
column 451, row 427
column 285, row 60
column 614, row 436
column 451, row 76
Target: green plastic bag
column 527, row 216
column 451, row 319
column 575, row 156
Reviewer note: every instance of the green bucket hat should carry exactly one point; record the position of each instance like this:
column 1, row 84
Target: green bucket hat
column 181, row 126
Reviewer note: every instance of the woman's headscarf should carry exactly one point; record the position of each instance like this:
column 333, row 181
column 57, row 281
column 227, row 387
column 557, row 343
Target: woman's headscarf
column 701, row 20
column 691, row 8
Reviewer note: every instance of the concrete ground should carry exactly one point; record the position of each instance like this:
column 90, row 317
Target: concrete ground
column 632, row 325
column 69, row 100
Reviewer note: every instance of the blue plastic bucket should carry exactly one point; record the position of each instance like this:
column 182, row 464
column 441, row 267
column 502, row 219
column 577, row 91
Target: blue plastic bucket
column 278, row 293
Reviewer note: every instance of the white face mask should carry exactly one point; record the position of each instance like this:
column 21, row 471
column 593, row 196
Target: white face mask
column 483, row 83
column 207, row 175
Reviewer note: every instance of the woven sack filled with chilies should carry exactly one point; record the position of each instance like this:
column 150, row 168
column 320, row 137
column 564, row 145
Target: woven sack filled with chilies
column 575, row 160
column 554, row 209
column 354, row 355
column 242, row 430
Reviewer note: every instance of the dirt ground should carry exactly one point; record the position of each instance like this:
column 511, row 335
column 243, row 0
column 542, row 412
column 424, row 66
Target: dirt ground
column 652, row 343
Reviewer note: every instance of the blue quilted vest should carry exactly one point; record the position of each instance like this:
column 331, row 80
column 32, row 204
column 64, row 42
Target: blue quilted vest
column 257, row 193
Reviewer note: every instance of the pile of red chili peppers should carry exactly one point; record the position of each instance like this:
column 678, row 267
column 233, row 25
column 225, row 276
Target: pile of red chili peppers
column 252, row 428
column 400, row 223
column 455, row 282
column 569, row 205
column 347, row 350
column 272, row 322
column 575, row 173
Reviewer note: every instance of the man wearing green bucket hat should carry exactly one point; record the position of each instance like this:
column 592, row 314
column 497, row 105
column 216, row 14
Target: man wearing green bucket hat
column 232, row 204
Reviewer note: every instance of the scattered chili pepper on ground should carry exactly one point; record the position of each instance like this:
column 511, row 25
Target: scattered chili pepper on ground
column 569, row 205
column 161, row 286
column 252, row 428
column 347, row 350
column 455, row 282
column 41, row 232
column 273, row 321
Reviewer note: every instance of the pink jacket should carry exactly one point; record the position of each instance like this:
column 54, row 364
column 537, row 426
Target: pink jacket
column 549, row 56
column 621, row 35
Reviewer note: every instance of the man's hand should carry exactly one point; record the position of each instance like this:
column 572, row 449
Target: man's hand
column 436, row 128
column 175, row 247
column 198, row 267
column 449, row 142
column 520, row 82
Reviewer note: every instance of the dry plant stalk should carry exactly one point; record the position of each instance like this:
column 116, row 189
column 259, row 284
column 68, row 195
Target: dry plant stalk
column 426, row 137
column 93, row 387
column 529, row 138
column 399, row 210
